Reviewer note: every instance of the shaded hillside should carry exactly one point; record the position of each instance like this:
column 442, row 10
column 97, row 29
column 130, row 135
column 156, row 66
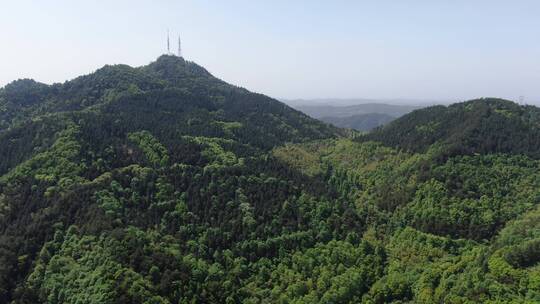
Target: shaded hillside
column 169, row 95
column 360, row 122
column 163, row 184
column 477, row 126
column 464, row 230
column 162, row 152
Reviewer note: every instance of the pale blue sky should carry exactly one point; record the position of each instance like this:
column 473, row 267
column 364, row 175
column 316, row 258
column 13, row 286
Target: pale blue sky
column 452, row 49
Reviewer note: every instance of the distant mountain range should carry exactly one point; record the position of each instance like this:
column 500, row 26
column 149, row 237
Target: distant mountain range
column 486, row 125
column 360, row 122
column 318, row 111
column 362, row 116
column 356, row 101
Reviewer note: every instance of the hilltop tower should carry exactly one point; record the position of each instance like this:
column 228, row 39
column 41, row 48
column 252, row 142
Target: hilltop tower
column 179, row 47
column 168, row 44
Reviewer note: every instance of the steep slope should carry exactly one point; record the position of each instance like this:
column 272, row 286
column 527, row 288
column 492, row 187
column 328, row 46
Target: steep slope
column 162, row 184
column 170, row 73
column 455, row 214
column 461, row 230
column 169, row 95
column 477, row 126
column 162, row 153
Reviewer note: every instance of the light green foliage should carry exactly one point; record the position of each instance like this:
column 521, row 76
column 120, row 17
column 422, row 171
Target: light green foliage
column 85, row 270
column 297, row 157
column 470, row 197
column 229, row 127
column 155, row 152
column 115, row 199
column 473, row 196
column 246, row 209
column 214, row 152
column 336, row 272
column 179, row 188
column 109, row 203
column 427, row 128
column 56, row 167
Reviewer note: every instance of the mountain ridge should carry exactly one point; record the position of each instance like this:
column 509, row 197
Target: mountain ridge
column 163, row 184
column 483, row 126
column 168, row 124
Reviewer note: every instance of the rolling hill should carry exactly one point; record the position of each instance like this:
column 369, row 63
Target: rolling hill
column 478, row 126
column 118, row 151
column 163, row 184
column 361, row 117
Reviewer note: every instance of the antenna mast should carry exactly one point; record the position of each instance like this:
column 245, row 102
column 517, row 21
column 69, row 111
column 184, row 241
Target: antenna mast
column 179, row 47
column 168, row 45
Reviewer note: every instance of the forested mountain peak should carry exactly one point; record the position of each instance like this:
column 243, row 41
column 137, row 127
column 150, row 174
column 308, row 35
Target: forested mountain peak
column 175, row 139
column 163, row 184
column 23, row 91
column 175, row 67
column 184, row 83
column 487, row 125
column 25, row 98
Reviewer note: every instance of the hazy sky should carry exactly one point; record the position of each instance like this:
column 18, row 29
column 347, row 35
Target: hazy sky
column 446, row 49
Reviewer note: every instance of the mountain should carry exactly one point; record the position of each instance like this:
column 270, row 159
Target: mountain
column 360, row 122
column 163, row 184
column 478, row 126
column 452, row 196
column 126, row 157
column 340, row 102
column 361, row 117
column 175, row 77
column 318, row 111
column 172, row 95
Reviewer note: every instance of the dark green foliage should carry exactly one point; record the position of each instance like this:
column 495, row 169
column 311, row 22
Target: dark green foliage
column 25, row 92
column 477, row 126
column 166, row 149
column 163, row 184
column 473, row 197
column 461, row 241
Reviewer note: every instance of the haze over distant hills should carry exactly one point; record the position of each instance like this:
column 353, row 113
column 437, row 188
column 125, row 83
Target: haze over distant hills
column 358, row 114
column 356, row 101
column 360, row 122
column 318, row 111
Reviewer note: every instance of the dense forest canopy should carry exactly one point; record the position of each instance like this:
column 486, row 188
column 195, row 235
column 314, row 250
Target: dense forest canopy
column 164, row 184
column 483, row 126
